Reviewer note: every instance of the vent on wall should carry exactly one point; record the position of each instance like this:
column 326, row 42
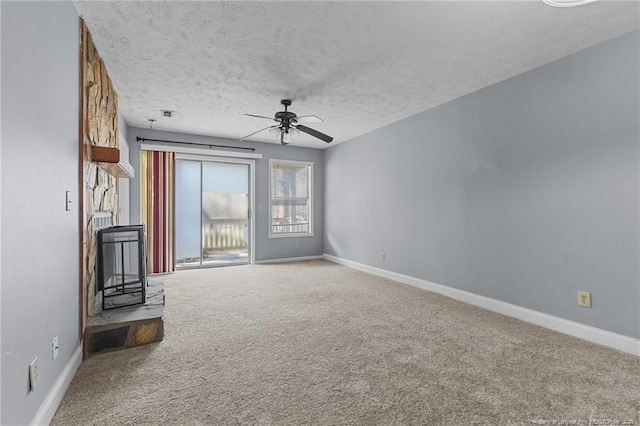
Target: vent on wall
column 166, row 113
column 102, row 220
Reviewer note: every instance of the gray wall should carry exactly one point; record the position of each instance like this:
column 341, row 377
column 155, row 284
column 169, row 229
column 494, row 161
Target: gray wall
column 266, row 248
column 526, row 191
column 40, row 45
column 123, row 183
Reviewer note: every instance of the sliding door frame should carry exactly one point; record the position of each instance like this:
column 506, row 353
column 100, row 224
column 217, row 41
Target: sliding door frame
column 252, row 195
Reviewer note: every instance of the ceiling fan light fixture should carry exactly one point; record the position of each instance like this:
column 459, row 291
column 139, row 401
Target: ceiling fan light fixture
column 567, row 3
column 275, row 132
column 286, row 136
column 288, row 133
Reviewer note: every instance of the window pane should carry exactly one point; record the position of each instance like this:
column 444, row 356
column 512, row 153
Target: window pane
column 290, row 229
column 290, row 216
column 289, row 211
column 289, row 181
column 290, row 198
column 187, row 216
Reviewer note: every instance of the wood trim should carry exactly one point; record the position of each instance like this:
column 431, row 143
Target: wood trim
column 172, row 200
column 105, row 154
column 117, row 170
column 82, row 162
column 109, row 159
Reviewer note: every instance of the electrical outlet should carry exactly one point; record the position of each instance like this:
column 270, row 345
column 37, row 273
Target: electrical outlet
column 297, row 244
column 584, row 299
column 55, row 347
column 382, row 256
column 33, row 374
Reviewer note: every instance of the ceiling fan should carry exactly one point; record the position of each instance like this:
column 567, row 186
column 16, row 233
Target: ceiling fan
column 289, row 125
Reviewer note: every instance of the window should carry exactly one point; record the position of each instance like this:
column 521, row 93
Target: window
column 291, row 198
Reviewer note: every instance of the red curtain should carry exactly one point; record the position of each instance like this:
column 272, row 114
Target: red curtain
column 157, row 204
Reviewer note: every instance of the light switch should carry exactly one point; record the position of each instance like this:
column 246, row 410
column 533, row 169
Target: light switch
column 68, row 200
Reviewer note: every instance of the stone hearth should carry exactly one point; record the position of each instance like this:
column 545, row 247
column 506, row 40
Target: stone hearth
column 124, row 328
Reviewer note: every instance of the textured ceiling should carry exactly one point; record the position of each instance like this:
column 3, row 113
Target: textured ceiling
column 357, row 65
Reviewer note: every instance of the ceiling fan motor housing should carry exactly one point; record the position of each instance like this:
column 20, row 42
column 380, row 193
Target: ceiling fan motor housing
column 285, row 116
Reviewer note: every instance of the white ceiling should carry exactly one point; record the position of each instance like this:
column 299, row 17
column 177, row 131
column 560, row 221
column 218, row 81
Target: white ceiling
column 357, row 65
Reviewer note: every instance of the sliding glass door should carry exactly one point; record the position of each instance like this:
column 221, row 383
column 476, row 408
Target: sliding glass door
column 188, row 222
column 212, row 213
column 225, row 213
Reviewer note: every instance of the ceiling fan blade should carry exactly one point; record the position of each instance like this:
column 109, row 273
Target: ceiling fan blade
column 248, row 136
column 261, row 116
column 314, row 133
column 308, row 119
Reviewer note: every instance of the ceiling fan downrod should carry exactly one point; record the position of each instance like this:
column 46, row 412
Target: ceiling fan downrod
column 285, row 116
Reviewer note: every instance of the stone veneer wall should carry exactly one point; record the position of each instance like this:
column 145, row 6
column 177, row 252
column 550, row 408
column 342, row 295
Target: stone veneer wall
column 101, row 191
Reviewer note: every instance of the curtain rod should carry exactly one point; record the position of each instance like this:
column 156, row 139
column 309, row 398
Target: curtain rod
column 139, row 139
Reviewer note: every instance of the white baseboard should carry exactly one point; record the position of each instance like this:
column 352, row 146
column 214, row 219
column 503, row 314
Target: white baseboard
column 592, row 334
column 52, row 401
column 289, row 259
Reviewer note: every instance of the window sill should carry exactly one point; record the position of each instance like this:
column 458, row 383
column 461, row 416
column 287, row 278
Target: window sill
column 290, row 235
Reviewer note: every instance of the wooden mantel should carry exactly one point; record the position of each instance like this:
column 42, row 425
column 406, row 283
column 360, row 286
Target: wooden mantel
column 109, row 159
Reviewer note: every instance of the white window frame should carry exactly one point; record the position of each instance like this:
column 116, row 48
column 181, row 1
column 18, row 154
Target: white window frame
column 309, row 164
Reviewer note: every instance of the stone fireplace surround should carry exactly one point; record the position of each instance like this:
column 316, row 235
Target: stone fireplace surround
column 125, row 327
column 121, row 328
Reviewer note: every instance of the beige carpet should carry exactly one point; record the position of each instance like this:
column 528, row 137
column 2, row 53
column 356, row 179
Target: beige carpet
column 322, row 344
